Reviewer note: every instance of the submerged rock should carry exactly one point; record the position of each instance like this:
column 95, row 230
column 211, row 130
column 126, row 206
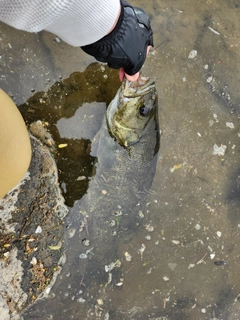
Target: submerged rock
column 35, row 203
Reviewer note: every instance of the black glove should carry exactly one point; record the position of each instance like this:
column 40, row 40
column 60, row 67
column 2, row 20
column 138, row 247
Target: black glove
column 126, row 46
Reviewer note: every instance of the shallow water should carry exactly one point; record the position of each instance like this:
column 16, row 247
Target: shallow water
column 190, row 267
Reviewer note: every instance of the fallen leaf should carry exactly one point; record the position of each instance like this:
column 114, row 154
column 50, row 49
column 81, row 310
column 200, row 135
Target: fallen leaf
column 177, row 166
column 80, row 178
column 54, row 247
column 62, row 145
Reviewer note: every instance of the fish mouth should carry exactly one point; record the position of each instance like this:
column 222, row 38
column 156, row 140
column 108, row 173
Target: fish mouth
column 141, row 86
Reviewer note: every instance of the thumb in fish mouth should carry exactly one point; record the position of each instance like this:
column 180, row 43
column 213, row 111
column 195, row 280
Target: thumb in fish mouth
column 122, row 74
column 133, row 77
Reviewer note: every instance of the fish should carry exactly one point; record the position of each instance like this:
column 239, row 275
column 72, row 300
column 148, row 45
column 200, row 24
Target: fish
column 110, row 214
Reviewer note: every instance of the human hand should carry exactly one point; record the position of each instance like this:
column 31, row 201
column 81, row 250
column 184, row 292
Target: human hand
column 127, row 45
column 135, row 76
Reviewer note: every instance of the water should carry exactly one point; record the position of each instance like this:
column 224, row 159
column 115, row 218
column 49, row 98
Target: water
column 190, row 267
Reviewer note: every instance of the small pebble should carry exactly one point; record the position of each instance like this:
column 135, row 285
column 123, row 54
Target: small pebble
column 86, row 242
column 197, row 226
column 33, row 261
column 219, row 234
column 219, row 151
column 230, row 125
column 71, row 233
column 192, row 54
column 38, row 230
column 209, row 79
column 128, row 257
column 212, row 255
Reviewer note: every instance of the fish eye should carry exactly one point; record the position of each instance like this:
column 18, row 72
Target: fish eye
column 143, row 110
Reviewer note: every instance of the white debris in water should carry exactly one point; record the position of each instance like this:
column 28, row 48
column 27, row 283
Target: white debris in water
column 184, row 79
column 89, row 250
column 219, row 151
column 230, row 125
column 212, row 255
column 199, row 134
column 106, row 317
column 142, row 249
column 81, row 300
column 71, row 233
column 112, row 265
column 38, row 230
column 165, row 278
column 83, row 256
column 128, row 257
column 210, row 249
column 197, row 226
column 203, row 310
column 100, row 302
column 172, row 266
column 206, row 67
column 149, row 271
column 6, row 254
column 47, row 291
column 214, row 31
column 119, row 284
column 141, row 215
column 192, row 54
column 219, row 233
column 209, row 79
column 148, row 237
column 33, row 261
column 149, row 228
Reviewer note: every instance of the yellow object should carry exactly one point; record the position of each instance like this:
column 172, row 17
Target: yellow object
column 62, row 145
column 15, row 148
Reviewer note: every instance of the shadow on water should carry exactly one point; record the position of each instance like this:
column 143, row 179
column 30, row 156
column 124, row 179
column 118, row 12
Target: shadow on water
column 72, row 110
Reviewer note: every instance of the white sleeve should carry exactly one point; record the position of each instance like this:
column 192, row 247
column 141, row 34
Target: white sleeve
column 77, row 22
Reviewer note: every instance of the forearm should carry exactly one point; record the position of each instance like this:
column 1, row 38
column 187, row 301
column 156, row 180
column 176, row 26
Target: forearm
column 76, row 22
